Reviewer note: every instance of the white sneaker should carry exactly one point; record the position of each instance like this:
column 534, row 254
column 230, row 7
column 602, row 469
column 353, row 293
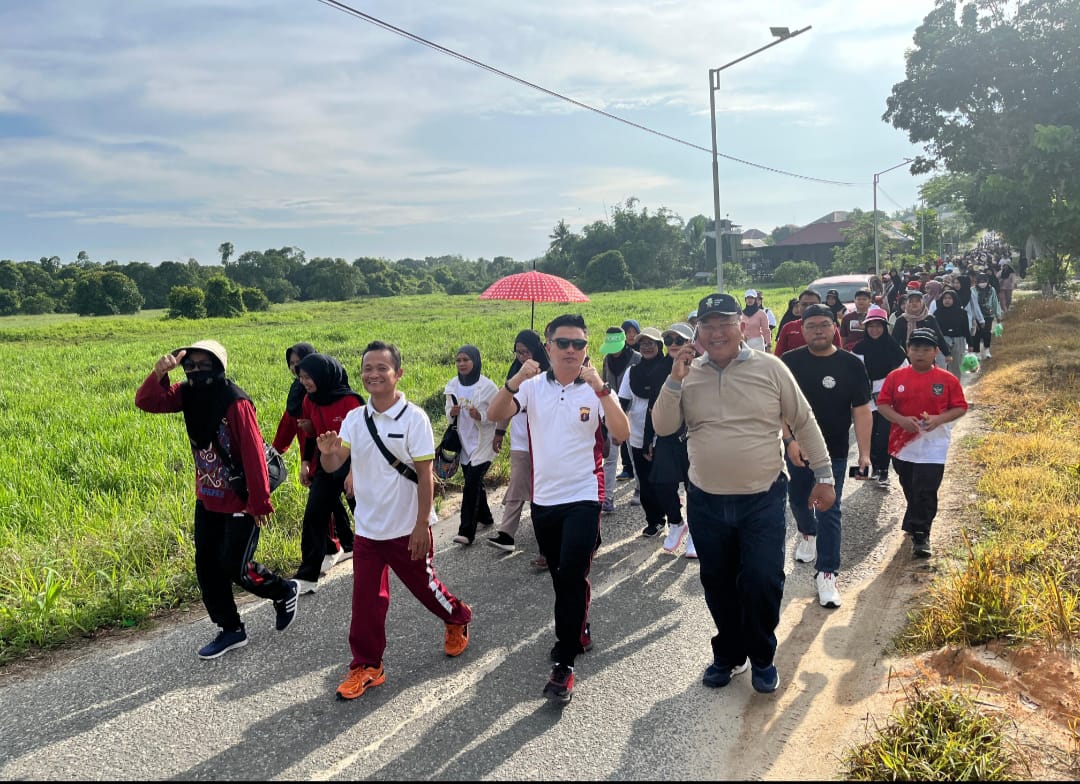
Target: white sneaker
column 987, row 354
column 691, row 551
column 675, row 537
column 827, row 594
column 806, row 549
column 305, row 586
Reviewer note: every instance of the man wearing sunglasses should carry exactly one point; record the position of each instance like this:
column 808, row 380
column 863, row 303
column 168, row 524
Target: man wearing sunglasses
column 219, row 416
column 564, row 407
column 733, row 400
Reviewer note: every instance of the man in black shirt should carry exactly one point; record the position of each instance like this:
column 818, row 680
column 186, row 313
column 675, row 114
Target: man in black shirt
column 838, row 390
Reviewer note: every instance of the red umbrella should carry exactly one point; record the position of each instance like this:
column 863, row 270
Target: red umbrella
column 533, row 286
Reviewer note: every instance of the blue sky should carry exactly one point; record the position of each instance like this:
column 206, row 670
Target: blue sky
column 146, row 131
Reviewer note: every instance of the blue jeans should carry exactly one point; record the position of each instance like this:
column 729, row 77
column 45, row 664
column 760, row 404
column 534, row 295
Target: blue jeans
column 824, row 525
column 740, row 547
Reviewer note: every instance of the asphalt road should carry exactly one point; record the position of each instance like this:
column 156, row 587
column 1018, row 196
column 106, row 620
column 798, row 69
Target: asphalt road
column 148, row 708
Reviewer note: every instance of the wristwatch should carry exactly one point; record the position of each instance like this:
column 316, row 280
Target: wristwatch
column 827, row 480
column 788, row 440
column 604, row 390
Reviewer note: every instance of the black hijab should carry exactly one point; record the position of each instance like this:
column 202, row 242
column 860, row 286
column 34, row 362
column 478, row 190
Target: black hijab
column 789, row 315
column 294, row 405
column 531, row 340
column 963, row 294
column 474, row 375
column 750, row 310
column 953, row 319
column 331, row 379
column 205, row 397
column 881, row 355
column 648, row 375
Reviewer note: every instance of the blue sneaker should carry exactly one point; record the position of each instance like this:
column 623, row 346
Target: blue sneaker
column 764, row 679
column 223, row 643
column 717, row 677
column 286, row 608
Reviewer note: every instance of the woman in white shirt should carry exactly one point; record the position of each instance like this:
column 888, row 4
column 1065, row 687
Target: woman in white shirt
column 467, row 398
column 527, row 345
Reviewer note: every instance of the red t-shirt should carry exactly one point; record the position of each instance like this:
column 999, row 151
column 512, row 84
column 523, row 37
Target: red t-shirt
column 912, row 393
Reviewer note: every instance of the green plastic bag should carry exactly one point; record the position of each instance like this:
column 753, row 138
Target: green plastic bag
column 970, row 363
column 998, row 329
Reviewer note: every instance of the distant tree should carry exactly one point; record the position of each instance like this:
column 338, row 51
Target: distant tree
column 796, row 274
column 607, row 272
column 37, row 304
column 781, row 233
column 100, row 293
column 226, row 251
column 187, row 302
column 254, row 299
column 735, row 275
column 223, row 298
column 279, row 290
column 9, row 302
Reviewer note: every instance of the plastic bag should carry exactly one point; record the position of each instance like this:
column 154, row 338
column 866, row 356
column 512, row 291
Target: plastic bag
column 998, row 329
column 970, row 363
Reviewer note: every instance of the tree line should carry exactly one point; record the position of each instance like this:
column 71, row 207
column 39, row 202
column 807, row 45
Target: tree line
column 632, row 248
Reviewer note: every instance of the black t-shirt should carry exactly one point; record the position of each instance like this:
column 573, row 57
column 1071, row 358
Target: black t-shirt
column 833, row 385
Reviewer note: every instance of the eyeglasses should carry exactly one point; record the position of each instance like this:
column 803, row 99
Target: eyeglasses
column 818, row 326
column 564, row 343
column 674, row 340
column 190, row 365
column 715, row 326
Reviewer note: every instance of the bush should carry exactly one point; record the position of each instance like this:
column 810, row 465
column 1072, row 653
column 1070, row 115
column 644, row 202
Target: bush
column 106, row 294
column 38, row 303
column 223, row 298
column 187, row 302
column 795, row 274
column 607, row 272
column 9, row 302
column 254, row 299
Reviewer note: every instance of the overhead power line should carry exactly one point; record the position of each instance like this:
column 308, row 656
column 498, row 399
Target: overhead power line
column 335, row 4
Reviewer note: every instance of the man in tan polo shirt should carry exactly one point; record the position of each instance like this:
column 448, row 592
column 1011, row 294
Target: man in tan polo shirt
column 733, row 401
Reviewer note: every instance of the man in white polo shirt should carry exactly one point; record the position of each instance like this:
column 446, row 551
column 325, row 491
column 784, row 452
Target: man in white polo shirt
column 392, row 448
column 564, row 408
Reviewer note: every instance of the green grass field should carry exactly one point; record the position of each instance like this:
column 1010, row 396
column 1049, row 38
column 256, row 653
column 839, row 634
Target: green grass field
column 97, row 497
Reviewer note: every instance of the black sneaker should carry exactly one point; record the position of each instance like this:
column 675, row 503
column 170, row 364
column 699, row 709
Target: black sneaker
column 652, row 530
column 560, row 685
column 223, row 643
column 717, row 677
column 503, row 541
column 586, row 644
column 920, row 546
column 286, row 608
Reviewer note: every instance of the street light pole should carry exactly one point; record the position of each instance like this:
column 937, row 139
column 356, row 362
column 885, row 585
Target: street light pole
column 877, row 261
column 782, row 34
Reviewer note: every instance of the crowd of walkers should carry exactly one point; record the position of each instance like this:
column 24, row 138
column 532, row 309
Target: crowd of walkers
column 722, row 421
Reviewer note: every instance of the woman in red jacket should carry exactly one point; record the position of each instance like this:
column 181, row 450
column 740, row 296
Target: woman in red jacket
column 293, row 424
column 220, row 419
column 329, row 398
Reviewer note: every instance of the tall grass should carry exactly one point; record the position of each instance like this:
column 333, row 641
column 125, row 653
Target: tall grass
column 1020, row 577
column 97, row 498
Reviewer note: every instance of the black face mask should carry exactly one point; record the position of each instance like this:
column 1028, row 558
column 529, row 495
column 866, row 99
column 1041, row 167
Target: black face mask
column 199, row 378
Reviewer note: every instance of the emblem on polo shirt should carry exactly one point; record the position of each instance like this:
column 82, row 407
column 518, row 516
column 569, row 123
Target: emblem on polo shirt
column 828, row 382
column 938, row 389
column 583, row 413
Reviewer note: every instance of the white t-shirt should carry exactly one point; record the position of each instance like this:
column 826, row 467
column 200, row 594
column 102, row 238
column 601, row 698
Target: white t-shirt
column 475, row 436
column 565, row 439
column 519, row 432
column 639, row 409
column 386, row 502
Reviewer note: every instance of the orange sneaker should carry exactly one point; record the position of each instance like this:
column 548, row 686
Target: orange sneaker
column 358, row 681
column 457, row 638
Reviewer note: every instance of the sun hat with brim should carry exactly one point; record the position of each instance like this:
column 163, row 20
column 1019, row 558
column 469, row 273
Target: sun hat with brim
column 211, row 347
column 614, row 342
column 652, row 333
column 876, row 314
column 682, row 329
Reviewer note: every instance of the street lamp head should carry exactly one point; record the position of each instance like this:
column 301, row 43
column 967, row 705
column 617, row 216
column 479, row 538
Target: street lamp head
column 780, row 32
